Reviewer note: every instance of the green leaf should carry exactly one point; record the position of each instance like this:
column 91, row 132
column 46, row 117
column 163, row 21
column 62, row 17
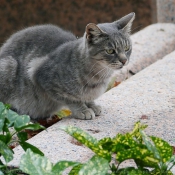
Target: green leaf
column 1, row 173
column 33, row 127
column 2, row 107
column 123, row 142
column 150, row 145
column 170, row 163
column 5, row 138
column 2, row 116
column 75, row 169
column 141, row 155
column 95, row 166
column 12, row 116
column 21, row 121
column 34, row 149
column 62, row 165
column 137, row 127
column 1, row 123
column 164, row 149
column 33, row 164
column 6, row 152
column 79, row 134
column 7, row 106
column 132, row 171
column 136, row 131
column 87, row 140
column 107, row 143
column 6, row 126
column 22, row 136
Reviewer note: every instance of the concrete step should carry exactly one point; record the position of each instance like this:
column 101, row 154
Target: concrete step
column 150, row 92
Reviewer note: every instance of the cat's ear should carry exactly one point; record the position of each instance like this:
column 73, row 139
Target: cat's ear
column 93, row 32
column 125, row 22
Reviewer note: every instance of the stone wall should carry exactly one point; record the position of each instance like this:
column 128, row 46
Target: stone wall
column 72, row 14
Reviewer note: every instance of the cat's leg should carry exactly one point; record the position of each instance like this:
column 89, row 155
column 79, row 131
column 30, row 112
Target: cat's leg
column 81, row 111
column 96, row 108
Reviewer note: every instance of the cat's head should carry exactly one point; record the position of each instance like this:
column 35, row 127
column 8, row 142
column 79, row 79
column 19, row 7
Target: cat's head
column 109, row 43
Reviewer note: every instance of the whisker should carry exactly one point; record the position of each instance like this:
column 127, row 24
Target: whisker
column 81, row 89
column 94, row 76
column 136, row 28
column 103, row 76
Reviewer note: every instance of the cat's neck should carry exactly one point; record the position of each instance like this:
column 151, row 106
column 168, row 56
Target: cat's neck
column 92, row 69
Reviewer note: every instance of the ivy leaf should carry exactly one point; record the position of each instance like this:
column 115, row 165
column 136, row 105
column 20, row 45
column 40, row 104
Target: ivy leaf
column 95, row 166
column 87, row 140
column 33, row 164
column 62, row 165
column 34, row 149
column 6, row 152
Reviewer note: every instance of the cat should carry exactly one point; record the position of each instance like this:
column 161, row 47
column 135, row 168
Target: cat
column 43, row 68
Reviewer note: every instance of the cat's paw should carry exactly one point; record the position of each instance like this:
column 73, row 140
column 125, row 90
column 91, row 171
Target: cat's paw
column 96, row 108
column 88, row 114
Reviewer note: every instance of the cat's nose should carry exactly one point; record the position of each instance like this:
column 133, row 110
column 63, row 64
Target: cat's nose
column 123, row 61
column 122, row 58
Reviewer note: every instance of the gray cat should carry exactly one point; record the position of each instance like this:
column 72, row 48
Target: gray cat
column 44, row 68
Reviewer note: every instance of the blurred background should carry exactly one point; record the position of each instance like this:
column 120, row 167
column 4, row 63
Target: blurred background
column 72, row 15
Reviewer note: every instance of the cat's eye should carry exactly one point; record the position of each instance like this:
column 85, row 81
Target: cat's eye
column 126, row 48
column 110, row 51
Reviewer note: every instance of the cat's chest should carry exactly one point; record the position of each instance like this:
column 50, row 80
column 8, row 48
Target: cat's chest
column 93, row 91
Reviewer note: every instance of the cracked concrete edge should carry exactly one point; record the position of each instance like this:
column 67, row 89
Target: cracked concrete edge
column 151, row 92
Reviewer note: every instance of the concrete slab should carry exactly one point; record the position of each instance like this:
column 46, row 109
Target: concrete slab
column 149, row 45
column 151, row 92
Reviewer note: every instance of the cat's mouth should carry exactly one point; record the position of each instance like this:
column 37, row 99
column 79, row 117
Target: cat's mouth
column 116, row 66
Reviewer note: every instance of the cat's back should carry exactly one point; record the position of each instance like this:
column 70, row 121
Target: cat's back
column 40, row 39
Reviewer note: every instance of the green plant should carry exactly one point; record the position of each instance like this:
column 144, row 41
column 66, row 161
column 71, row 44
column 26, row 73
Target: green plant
column 17, row 123
column 151, row 155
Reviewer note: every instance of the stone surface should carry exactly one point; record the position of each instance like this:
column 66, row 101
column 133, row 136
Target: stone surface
column 166, row 11
column 151, row 92
column 149, row 45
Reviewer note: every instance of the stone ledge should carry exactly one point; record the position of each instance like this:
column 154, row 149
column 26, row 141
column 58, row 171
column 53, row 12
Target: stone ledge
column 151, row 92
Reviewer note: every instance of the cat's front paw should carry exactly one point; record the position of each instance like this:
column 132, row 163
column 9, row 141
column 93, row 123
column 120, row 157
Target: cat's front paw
column 88, row 114
column 96, row 108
